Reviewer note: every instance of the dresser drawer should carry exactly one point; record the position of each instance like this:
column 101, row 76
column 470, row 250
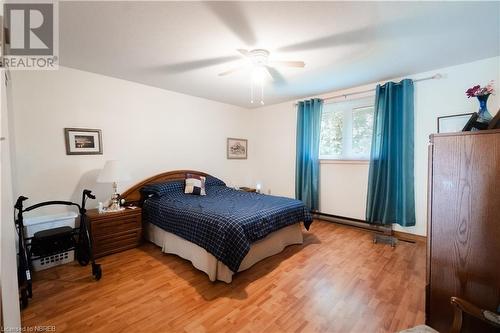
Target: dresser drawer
column 110, row 226
column 117, row 242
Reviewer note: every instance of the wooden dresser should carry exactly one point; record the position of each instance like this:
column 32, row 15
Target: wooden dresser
column 463, row 226
column 115, row 231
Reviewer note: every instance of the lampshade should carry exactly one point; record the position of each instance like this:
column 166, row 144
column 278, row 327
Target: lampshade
column 112, row 172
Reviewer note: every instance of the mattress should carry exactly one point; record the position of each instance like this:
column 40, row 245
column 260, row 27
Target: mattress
column 215, row 269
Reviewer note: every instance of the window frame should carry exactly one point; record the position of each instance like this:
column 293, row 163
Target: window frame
column 347, row 135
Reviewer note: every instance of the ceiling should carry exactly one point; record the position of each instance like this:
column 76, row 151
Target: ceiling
column 182, row 46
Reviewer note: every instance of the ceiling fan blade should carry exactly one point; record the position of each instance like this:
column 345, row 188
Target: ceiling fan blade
column 288, row 63
column 233, row 16
column 357, row 36
column 230, row 71
column 243, row 52
column 196, row 64
column 277, row 77
column 387, row 30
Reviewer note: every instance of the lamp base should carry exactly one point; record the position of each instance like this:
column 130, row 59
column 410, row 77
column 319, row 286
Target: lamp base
column 114, row 207
column 114, row 203
column 111, row 210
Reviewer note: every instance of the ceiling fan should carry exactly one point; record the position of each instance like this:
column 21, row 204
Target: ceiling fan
column 233, row 14
column 260, row 63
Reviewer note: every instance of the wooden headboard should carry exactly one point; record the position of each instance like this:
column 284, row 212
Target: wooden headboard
column 133, row 194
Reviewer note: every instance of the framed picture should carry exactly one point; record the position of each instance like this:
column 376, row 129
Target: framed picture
column 83, row 141
column 474, row 125
column 237, row 149
column 453, row 123
column 495, row 122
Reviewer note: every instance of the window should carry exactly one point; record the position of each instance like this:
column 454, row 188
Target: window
column 346, row 129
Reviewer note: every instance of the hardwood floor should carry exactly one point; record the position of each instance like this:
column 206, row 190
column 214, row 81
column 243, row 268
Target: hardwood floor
column 337, row 281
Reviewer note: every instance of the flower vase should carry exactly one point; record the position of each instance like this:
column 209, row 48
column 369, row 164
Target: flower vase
column 484, row 115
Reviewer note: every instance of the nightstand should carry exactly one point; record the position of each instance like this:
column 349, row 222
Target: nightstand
column 247, row 189
column 114, row 232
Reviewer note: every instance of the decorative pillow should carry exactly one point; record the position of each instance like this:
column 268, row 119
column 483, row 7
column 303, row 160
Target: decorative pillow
column 157, row 190
column 212, row 181
column 195, row 184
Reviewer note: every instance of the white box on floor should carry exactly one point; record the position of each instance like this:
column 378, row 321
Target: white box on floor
column 39, row 223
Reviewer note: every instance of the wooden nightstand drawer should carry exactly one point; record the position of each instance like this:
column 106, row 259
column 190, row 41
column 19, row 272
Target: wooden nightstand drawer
column 104, row 245
column 115, row 231
column 107, row 226
column 247, row 189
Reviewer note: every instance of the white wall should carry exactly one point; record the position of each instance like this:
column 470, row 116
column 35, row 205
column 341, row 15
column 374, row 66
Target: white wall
column 343, row 185
column 273, row 148
column 8, row 264
column 149, row 129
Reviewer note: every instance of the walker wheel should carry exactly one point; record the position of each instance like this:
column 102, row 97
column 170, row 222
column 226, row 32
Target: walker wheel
column 97, row 271
column 83, row 261
column 24, row 298
column 83, row 258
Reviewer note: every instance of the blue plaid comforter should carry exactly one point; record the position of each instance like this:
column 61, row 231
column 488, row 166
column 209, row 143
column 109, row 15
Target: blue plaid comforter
column 225, row 221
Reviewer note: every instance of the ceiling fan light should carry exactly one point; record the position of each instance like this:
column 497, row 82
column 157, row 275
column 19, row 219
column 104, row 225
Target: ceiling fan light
column 258, row 74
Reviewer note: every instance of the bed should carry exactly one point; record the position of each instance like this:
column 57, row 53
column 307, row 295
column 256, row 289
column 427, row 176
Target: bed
column 222, row 233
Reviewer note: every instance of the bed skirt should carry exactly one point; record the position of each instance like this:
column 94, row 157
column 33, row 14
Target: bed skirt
column 201, row 259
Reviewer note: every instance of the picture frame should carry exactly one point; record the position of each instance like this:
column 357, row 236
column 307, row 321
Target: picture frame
column 453, row 123
column 495, row 122
column 237, row 149
column 83, row 141
column 473, row 124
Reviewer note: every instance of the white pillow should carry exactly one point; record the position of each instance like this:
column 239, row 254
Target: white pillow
column 195, row 185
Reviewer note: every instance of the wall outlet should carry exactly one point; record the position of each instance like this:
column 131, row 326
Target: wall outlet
column 269, row 191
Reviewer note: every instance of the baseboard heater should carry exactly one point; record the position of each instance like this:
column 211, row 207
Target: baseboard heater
column 353, row 222
column 382, row 233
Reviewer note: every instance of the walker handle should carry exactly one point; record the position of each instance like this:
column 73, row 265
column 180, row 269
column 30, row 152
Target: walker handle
column 88, row 193
column 19, row 202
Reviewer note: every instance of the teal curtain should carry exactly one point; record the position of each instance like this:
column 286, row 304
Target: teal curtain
column 391, row 197
column 307, row 157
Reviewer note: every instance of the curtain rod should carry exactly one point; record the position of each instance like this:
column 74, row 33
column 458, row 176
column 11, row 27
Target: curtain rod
column 433, row 77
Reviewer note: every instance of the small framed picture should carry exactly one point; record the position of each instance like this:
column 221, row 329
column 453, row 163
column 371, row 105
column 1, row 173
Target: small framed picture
column 237, row 149
column 495, row 122
column 474, row 125
column 453, row 123
column 83, row 141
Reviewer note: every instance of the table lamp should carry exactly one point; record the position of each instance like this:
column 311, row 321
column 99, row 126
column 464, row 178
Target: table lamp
column 113, row 172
